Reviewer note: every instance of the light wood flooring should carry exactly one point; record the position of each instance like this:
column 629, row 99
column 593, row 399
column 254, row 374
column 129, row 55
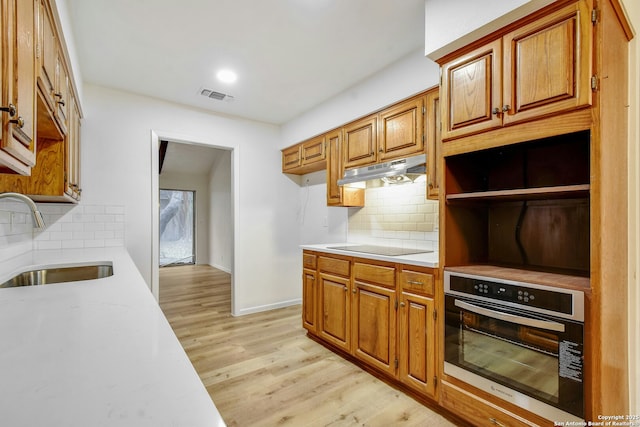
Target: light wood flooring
column 262, row 370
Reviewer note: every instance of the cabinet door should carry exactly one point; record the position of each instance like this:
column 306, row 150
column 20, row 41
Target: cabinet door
column 47, row 55
column 374, row 326
column 72, row 171
column 360, row 142
column 335, row 310
column 433, row 136
column 61, row 94
column 334, row 167
column 313, row 151
column 291, row 158
column 309, row 300
column 471, row 92
column 18, row 86
column 416, row 342
column 547, row 65
column 401, row 130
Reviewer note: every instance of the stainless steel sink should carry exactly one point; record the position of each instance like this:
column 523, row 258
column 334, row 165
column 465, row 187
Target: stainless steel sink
column 59, row 275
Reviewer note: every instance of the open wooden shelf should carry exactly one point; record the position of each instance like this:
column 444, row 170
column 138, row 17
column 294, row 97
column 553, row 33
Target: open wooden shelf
column 540, row 193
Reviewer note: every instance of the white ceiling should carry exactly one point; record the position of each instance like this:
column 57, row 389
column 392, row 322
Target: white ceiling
column 290, row 55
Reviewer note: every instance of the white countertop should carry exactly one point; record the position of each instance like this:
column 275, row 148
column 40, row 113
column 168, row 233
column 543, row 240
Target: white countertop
column 93, row 353
column 429, row 259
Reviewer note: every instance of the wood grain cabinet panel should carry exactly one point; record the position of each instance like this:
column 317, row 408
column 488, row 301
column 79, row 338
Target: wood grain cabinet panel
column 309, row 299
column 313, row 151
column 291, row 158
column 416, row 341
column 401, row 129
column 379, row 274
column 547, row 65
column 338, row 195
column 360, row 142
column 334, row 306
column 433, row 142
column 471, row 92
column 374, row 324
column 18, row 93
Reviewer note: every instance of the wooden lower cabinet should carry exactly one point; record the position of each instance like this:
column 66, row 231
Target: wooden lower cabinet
column 417, row 355
column 374, row 326
column 380, row 313
column 335, row 310
column 309, row 297
column 481, row 412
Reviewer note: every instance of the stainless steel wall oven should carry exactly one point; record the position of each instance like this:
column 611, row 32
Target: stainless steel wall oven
column 521, row 342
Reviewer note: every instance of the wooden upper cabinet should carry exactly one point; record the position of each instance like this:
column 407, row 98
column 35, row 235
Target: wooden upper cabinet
column 360, row 142
column 61, row 94
column 401, row 129
column 313, row 151
column 291, row 158
column 433, row 142
column 471, row 92
column 547, row 65
column 47, row 55
column 18, row 144
column 539, row 69
column 339, row 195
column 305, row 157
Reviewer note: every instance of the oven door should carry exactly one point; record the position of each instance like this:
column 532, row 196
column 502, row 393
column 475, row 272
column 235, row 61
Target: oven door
column 536, row 356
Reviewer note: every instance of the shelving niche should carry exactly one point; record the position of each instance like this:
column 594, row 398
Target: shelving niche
column 522, row 208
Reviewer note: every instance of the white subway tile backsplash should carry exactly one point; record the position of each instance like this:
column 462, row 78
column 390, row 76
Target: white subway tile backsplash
column 397, row 216
column 67, row 227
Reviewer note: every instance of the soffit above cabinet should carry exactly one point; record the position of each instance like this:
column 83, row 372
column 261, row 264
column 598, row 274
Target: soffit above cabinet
column 468, row 22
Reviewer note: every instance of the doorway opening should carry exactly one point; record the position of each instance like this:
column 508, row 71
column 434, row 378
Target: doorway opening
column 177, row 227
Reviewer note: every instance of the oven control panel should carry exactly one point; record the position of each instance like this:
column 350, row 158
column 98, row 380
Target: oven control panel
column 532, row 296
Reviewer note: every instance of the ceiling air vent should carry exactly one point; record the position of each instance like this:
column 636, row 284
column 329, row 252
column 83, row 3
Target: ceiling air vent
column 215, row 95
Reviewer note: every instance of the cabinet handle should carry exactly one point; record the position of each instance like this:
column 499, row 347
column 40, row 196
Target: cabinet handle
column 506, row 108
column 355, row 290
column 11, row 109
column 59, row 95
column 495, row 111
column 413, row 282
column 496, row 422
column 346, row 289
column 402, row 304
column 19, row 121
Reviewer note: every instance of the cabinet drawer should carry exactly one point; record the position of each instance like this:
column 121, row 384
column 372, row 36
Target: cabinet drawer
column 378, row 274
column 337, row 266
column 478, row 411
column 309, row 260
column 416, row 281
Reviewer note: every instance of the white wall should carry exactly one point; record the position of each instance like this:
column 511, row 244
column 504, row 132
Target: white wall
column 450, row 25
column 200, row 184
column 220, row 238
column 116, row 168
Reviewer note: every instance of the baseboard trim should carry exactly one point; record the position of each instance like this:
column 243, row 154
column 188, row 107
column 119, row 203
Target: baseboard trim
column 268, row 307
column 219, row 267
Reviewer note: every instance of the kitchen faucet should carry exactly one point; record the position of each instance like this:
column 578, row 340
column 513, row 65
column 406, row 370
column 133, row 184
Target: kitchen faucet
column 38, row 221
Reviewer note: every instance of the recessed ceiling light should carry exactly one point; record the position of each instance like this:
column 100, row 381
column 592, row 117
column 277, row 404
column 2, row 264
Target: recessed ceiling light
column 226, row 76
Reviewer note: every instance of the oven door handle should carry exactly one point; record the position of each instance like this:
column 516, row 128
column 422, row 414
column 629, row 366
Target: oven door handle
column 526, row 321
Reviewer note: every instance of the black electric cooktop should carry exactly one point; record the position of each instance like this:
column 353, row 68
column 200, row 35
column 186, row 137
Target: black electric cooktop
column 380, row 250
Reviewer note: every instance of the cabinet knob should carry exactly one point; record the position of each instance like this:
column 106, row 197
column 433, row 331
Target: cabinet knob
column 346, row 289
column 506, row 108
column 495, row 111
column 11, row 109
column 354, row 290
column 402, row 304
column 19, row 121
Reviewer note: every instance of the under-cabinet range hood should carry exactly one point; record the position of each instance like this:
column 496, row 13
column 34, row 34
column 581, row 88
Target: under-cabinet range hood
column 394, row 171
